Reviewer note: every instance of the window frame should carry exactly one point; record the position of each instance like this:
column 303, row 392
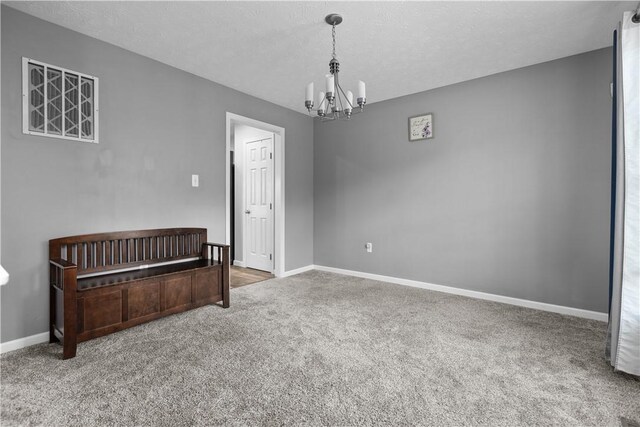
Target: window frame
column 25, row 102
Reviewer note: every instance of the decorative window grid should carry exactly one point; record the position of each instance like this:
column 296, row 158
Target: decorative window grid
column 59, row 103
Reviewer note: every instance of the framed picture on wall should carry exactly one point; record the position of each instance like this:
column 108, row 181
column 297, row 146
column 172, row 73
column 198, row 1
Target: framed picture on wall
column 421, row 127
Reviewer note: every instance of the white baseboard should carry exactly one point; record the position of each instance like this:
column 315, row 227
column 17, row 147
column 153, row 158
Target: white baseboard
column 238, row 263
column 24, row 342
column 298, row 270
column 578, row 312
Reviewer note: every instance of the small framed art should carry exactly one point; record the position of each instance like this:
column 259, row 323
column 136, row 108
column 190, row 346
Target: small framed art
column 421, row 127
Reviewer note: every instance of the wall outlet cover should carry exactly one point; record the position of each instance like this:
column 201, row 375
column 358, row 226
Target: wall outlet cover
column 195, row 180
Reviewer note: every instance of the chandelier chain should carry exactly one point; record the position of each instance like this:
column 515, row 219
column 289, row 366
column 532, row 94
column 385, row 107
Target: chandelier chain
column 333, row 35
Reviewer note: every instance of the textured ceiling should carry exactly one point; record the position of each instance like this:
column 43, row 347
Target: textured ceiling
column 273, row 49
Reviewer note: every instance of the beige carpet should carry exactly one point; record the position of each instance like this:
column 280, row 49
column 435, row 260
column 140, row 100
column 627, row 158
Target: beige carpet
column 325, row 349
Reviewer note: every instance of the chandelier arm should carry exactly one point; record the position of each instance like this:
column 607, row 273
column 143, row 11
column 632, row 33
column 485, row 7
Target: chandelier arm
column 345, row 97
column 339, row 98
column 339, row 101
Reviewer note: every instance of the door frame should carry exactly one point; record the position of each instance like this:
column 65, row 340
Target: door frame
column 279, row 190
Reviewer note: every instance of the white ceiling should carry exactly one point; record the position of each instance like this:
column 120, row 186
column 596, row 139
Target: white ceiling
column 273, row 49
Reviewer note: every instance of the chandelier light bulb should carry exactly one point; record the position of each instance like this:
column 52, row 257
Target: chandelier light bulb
column 330, row 84
column 309, row 94
column 362, row 90
column 308, row 98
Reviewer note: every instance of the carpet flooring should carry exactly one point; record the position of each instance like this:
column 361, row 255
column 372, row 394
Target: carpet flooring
column 325, row 349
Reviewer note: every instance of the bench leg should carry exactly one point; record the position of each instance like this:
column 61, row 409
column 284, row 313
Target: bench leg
column 226, row 300
column 70, row 338
column 52, row 314
column 69, row 347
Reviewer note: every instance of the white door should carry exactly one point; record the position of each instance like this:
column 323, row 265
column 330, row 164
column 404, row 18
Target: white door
column 258, row 190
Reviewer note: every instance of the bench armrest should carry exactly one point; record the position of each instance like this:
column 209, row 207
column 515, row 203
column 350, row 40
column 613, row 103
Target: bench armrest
column 219, row 245
column 63, row 305
column 223, row 258
column 62, row 263
column 63, row 274
column 208, row 251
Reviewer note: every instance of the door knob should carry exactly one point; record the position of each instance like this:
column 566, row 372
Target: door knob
column 247, row 211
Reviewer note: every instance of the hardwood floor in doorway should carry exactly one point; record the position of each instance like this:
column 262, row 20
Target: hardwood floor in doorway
column 240, row 276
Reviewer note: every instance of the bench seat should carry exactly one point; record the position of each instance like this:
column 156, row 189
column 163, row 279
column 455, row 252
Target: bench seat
column 93, row 282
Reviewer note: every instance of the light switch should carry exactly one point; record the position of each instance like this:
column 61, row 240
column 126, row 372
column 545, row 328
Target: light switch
column 195, row 180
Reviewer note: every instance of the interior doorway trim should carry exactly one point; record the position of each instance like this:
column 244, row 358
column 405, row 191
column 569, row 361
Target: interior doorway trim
column 278, row 169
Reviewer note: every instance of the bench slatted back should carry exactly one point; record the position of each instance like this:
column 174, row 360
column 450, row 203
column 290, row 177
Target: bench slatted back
column 94, row 253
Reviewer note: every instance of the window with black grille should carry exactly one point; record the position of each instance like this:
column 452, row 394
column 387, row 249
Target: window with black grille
column 59, row 103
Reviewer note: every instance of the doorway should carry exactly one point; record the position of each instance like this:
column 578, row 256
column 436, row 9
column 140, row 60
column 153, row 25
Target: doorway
column 255, row 194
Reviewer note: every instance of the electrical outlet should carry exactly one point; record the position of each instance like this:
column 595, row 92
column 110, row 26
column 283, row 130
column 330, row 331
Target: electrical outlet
column 195, row 180
column 369, row 247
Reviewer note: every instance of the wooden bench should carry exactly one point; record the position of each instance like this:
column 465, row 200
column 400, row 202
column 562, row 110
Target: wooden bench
column 103, row 283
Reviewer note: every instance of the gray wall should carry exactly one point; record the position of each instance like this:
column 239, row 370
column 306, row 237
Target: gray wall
column 158, row 125
column 511, row 196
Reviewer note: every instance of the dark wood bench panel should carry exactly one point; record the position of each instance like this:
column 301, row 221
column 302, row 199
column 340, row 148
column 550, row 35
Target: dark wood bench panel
column 177, row 292
column 95, row 291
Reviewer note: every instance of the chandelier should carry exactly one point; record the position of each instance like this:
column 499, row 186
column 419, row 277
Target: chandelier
column 335, row 103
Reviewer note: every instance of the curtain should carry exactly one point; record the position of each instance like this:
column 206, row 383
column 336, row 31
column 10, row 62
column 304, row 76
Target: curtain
column 623, row 334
